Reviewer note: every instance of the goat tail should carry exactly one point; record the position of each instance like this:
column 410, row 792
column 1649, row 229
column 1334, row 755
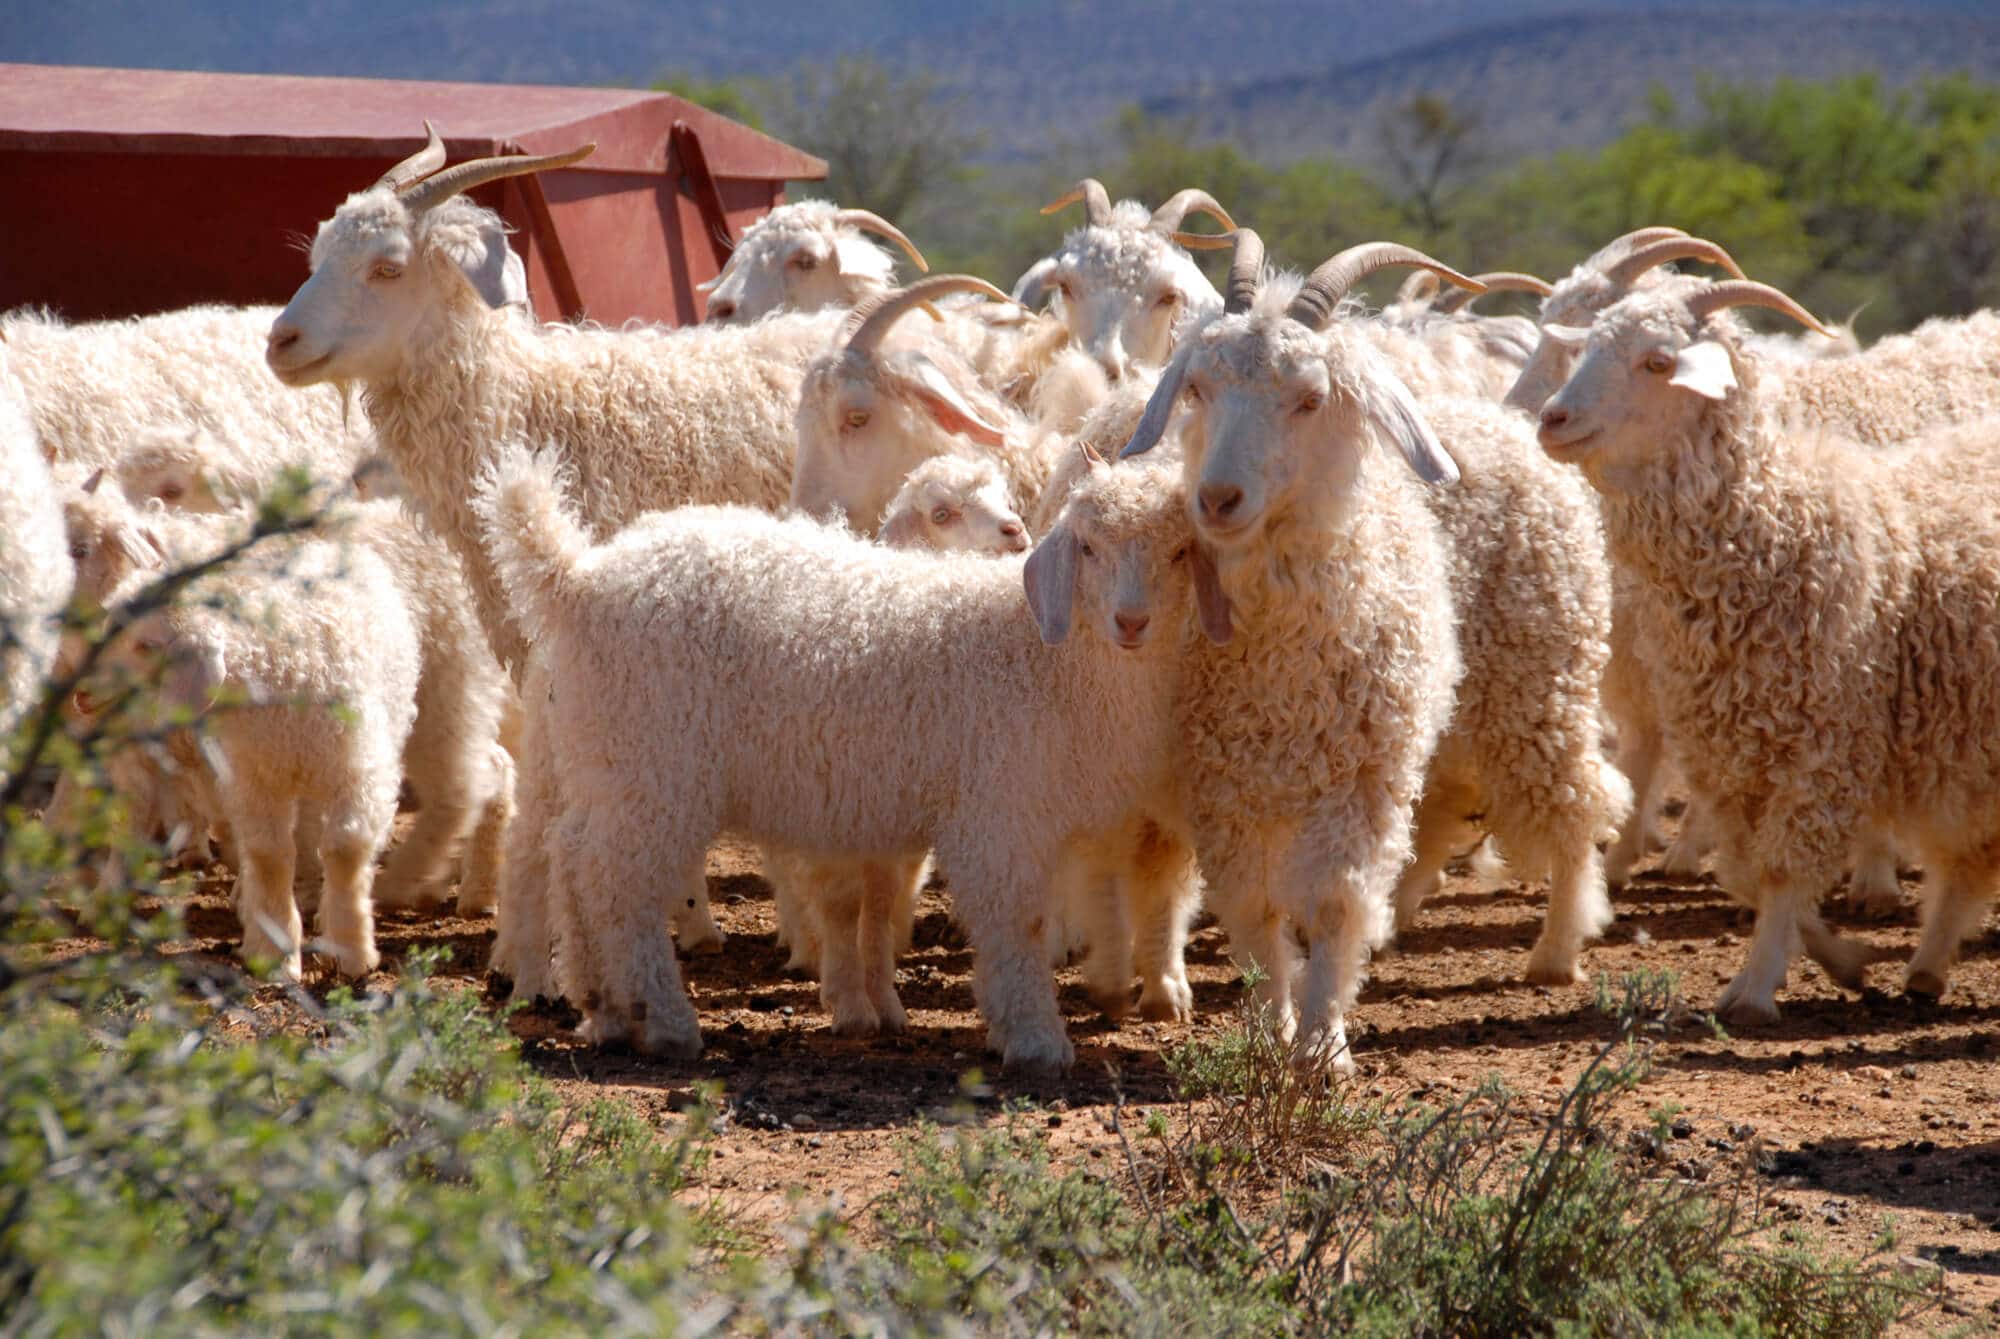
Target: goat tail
column 532, row 536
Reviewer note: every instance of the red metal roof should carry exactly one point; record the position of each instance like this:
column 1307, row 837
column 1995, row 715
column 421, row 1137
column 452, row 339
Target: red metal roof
column 144, row 200
column 84, row 108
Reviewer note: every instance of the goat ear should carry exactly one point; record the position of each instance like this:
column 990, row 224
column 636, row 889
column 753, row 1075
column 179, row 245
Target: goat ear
column 857, row 257
column 1387, row 401
column 1704, row 368
column 1031, row 290
column 934, row 391
column 1210, row 600
column 1050, row 578
column 904, row 530
column 492, row 268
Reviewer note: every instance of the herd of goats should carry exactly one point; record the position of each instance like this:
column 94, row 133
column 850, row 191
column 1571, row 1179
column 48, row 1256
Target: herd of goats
column 1111, row 598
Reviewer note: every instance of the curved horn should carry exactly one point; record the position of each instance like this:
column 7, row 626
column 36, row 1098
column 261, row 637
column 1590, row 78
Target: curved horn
column 1639, row 237
column 1419, row 287
column 435, row 190
column 869, row 322
column 1498, row 281
column 1327, row 285
column 1167, row 218
column 417, row 166
column 1246, row 272
column 1747, row 293
column 875, row 223
column 1628, row 270
column 1096, row 201
column 1204, row 241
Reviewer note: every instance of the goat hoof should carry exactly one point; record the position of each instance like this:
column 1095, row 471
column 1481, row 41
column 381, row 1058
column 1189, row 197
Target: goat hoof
column 1553, row 968
column 894, row 1021
column 1925, row 985
column 1173, row 1002
column 856, row 1023
column 1743, row 1010
column 671, row 1045
column 354, row 962
column 1113, row 1004
column 1045, row 1058
column 706, row 946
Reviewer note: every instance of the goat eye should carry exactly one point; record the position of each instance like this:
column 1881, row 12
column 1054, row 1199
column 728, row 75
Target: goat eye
column 1659, row 361
column 171, row 493
column 1167, row 299
column 1066, row 289
column 1310, row 402
column 805, row 260
column 857, row 418
column 1193, row 393
column 78, row 552
column 942, row 516
column 386, row 270
column 1087, row 551
column 1180, row 554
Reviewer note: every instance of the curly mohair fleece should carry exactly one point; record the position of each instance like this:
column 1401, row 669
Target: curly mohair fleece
column 299, row 626
column 1532, row 589
column 35, row 570
column 1002, row 746
column 645, row 418
column 1826, row 647
column 93, row 386
column 1306, row 736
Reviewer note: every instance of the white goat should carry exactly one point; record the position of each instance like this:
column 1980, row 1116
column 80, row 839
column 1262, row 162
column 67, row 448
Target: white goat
column 1124, row 284
column 1004, row 746
column 1279, row 405
column 1816, row 614
column 35, row 572
column 298, row 626
column 647, row 418
column 954, row 505
column 804, row 256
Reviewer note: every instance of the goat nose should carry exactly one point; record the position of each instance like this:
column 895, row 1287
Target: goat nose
column 1131, row 624
column 1219, row 500
column 1554, row 417
column 282, row 338
column 1010, row 528
column 721, row 311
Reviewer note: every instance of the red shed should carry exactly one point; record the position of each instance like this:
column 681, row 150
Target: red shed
column 132, row 191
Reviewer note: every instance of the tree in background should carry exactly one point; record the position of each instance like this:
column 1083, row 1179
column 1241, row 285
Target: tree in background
column 1848, row 195
column 890, row 143
column 1433, row 147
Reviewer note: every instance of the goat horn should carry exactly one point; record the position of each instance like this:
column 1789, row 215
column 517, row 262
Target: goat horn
column 1096, row 201
column 1167, row 218
column 1747, row 293
column 1627, row 271
column 869, row 322
column 1639, row 237
column 417, row 166
column 1204, row 241
column 1327, row 285
column 1419, row 287
column 875, row 223
column 1498, row 281
column 440, row 187
column 1246, row 271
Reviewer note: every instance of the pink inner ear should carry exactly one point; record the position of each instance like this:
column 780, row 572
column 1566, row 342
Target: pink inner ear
column 947, row 407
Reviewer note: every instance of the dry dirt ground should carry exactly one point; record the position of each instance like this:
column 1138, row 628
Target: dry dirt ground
column 1869, row 1110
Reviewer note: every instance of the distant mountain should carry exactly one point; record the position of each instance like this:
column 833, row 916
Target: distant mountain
column 1282, row 75
column 1578, row 80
